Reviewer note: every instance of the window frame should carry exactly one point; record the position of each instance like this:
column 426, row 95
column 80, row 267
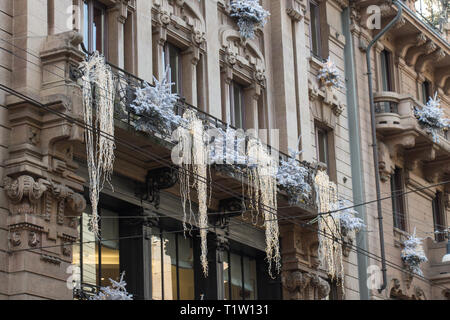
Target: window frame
column 241, row 255
column 330, row 151
column 439, row 221
column 233, row 86
column 166, row 60
column 317, row 40
column 398, row 199
column 387, row 71
column 426, row 91
column 89, row 42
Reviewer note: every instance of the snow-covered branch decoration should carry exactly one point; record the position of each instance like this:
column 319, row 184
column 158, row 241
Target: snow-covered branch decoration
column 330, row 250
column 98, row 93
column 250, row 15
column 292, row 177
column 431, row 117
column 348, row 217
column 412, row 254
column 329, row 75
column 117, row 291
column 155, row 105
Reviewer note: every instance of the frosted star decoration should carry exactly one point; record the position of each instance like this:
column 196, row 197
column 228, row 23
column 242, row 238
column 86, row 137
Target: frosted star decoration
column 347, row 216
column 293, row 177
column 431, row 117
column 156, row 106
column 329, row 75
column 250, row 15
column 412, row 254
column 117, row 291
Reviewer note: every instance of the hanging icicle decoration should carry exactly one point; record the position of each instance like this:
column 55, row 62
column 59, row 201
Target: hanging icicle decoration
column 330, row 250
column 195, row 149
column 262, row 189
column 98, row 93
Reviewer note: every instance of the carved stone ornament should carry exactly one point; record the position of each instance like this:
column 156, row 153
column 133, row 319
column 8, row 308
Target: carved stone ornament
column 15, row 239
column 305, row 285
column 33, row 239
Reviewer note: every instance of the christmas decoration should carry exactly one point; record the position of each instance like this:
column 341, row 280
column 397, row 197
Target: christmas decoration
column 348, row 219
column 412, row 254
column 155, row 104
column 116, row 291
column 98, row 95
column 250, row 15
column 431, row 117
column 329, row 75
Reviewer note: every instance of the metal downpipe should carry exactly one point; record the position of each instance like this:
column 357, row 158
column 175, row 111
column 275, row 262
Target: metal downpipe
column 374, row 139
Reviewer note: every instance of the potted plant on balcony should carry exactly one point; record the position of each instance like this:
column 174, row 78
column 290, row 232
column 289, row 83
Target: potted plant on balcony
column 412, row 254
column 431, row 117
column 329, row 75
column 250, row 15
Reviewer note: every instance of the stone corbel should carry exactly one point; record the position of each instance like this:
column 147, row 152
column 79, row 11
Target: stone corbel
column 296, row 9
column 414, row 156
column 405, row 43
column 425, row 60
column 415, row 52
column 24, row 194
column 435, row 170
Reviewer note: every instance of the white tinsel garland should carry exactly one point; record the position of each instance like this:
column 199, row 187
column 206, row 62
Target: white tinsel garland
column 117, row 291
column 412, row 254
column 250, row 15
column 329, row 75
column 98, row 93
column 330, row 249
column 431, row 117
column 292, row 177
column 348, row 217
column 156, row 106
column 195, row 160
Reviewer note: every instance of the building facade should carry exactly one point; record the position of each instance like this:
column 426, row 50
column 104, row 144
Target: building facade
column 268, row 82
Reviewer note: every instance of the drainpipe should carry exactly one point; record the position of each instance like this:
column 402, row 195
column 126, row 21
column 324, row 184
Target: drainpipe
column 355, row 151
column 374, row 138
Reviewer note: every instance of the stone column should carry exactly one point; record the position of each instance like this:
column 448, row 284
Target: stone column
column 226, row 79
column 251, row 96
column 190, row 59
column 116, row 20
column 144, row 50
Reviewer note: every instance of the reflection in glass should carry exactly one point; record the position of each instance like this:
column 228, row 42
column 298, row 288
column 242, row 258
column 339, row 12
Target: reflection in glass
column 186, row 268
column 236, row 277
column 156, row 265
column 249, row 279
column 110, row 262
column 226, row 275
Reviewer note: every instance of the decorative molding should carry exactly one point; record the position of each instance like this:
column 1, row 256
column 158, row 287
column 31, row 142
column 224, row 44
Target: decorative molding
column 302, row 285
column 296, row 9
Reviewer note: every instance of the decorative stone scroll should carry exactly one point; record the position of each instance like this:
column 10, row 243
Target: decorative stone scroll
column 303, row 285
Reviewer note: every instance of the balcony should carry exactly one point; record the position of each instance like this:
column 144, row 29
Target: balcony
column 400, row 132
column 160, row 145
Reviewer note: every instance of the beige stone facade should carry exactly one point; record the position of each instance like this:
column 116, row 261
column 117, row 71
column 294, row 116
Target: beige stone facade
column 43, row 190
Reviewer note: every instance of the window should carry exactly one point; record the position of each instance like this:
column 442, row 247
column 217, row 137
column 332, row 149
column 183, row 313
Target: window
column 94, row 26
column 387, row 83
column 237, row 102
column 172, row 58
column 426, row 91
column 239, row 277
column 325, row 149
column 172, row 267
column 439, row 217
column 398, row 199
column 316, row 47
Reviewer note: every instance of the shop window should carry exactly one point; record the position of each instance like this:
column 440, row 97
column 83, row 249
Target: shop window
column 239, row 275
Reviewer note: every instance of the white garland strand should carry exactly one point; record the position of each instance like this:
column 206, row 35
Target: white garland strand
column 117, row 291
column 329, row 75
column 250, row 15
column 431, row 116
column 412, row 254
column 97, row 75
column 330, row 250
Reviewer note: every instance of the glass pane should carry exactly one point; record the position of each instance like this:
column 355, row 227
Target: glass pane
column 250, row 279
column 322, row 146
column 90, row 254
column 236, row 277
column 186, row 268
column 315, row 33
column 175, row 68
column 226, row 278
column 170, row 269
column 156, row 265
column 110, row 247
column 86, row 25
column 98, row 26
column 237, row 104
